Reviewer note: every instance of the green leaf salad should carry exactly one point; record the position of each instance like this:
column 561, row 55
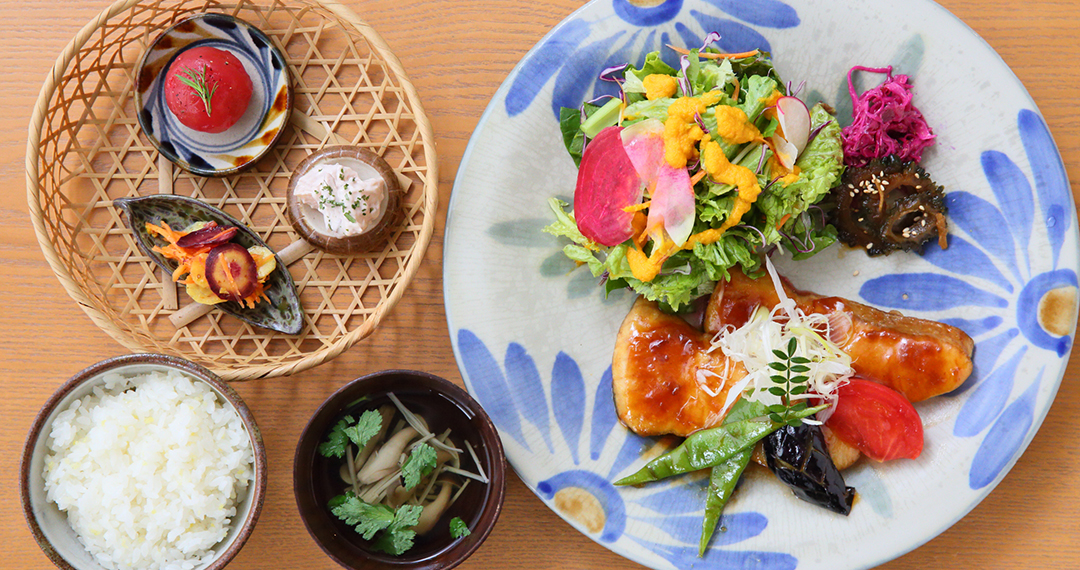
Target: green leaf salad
column 691, row 172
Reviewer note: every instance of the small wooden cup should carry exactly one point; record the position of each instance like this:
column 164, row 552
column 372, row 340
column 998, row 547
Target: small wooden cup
column 366, row 163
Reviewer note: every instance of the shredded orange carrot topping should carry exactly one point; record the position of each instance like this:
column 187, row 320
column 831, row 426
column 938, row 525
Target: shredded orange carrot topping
column 191, row 261
column 710, row 55
column 637, row 207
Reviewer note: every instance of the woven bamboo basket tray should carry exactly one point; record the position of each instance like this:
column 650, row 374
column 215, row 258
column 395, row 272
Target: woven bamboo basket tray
column 85, row 149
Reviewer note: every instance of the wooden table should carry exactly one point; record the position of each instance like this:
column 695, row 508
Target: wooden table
column 457, row 52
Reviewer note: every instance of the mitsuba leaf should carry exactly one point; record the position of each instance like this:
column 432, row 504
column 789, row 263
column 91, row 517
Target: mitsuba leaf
column 366, row 427
column 367, row 518
column 421, row 462
column 458, row 528
column 336, row 440
column 399, row 535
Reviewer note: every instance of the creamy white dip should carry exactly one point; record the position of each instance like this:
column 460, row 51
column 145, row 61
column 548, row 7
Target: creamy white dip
column 348, row 204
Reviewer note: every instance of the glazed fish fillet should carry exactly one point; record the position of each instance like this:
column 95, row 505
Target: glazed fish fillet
column 918, row 358
column 666, row 382
column 664, row 379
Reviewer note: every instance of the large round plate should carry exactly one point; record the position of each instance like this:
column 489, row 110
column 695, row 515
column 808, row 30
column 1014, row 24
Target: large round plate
column 534, row 339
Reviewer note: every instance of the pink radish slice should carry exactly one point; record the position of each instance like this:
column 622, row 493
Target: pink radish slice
column 607, row 183
column 672, row 206
column 644, row 144
column 794, row 120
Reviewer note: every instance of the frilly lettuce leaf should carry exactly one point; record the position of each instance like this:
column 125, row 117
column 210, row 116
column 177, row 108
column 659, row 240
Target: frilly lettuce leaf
column 820, row 165
column 583, row 250
column 758, row 89
column 566, row 226
column 757, row 65
column 646, row 109
column 652, row 64
column 707, row 74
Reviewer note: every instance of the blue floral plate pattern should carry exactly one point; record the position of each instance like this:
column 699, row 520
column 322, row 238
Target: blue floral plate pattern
column 228, row 152
column 533, row 337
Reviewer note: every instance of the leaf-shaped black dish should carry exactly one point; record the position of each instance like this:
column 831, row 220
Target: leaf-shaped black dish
column 282, row 313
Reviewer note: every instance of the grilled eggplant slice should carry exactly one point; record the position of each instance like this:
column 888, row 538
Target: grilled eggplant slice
column 800, row 459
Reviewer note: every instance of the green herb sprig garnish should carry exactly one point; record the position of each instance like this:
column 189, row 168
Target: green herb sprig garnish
column 366, row 428
column 336, row 440
column 788, row 386
column 196, row 79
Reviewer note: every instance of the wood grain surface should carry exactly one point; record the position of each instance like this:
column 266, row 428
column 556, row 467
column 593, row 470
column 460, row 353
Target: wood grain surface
column 457, row 52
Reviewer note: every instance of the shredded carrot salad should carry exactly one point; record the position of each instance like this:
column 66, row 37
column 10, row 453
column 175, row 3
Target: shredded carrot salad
column 191, row 261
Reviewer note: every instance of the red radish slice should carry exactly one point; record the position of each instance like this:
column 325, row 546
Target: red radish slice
column 607, row 183
column 794, row 120
column 786, row 152
column 644, row 144
column 672, row 205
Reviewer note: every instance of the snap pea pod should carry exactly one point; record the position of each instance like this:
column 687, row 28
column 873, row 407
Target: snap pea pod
column 724, row 477
column 744, row 409
column 722, row 482
column 709, row 448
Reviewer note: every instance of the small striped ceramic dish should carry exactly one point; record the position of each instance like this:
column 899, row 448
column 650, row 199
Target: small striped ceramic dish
column 228, row 152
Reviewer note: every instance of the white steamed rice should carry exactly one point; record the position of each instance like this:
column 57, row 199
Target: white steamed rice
column 149, row 470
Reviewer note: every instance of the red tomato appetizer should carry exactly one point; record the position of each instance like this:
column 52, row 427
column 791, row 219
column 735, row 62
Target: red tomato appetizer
column 207, row 89
column 877, row 420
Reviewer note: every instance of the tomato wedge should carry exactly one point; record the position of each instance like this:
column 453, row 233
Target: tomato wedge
column 877, row 420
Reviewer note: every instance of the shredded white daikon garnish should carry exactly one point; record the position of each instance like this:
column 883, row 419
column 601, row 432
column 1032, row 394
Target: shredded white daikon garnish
column 753, row 344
